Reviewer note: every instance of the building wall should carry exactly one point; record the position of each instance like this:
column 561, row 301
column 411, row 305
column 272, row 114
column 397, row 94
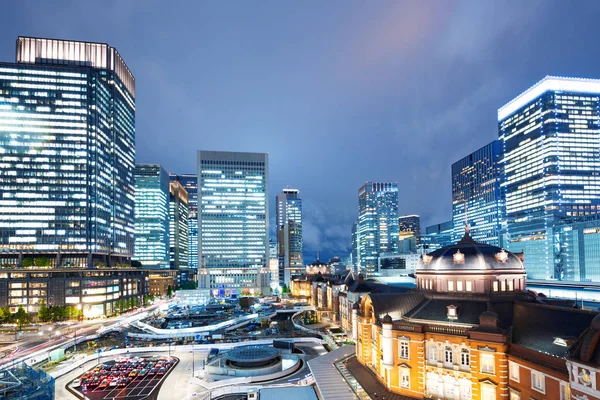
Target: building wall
column 71, row 138
column 151, row 216
column 550, row 139
column 232, row 184
column 288, row 214
column 523, row 373
column 190, row 183
column 476, row 192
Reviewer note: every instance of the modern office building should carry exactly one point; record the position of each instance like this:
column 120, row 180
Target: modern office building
column 437, row 236
column 178, row 230
column 67, row 144
column 409, row 233
column 409, row 225
column 476, row 195
column 233, row 223
column 550, row 139
column 397, row 264
column 288, row 214
column 377, row 223
column 190, row 183
column 577, row 249
column 151, row 216
column 273, row 263
column 355, row 254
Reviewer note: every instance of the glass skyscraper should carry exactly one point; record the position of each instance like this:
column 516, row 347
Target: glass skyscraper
column 550, row 138
column 190, row 183
column 288, row 212
column 178, row 229
column 476, row 194
column 377, row 230
column 437, row 236
column 67, row 154
column 233, row 223
column 151, row 216
column 409, row 231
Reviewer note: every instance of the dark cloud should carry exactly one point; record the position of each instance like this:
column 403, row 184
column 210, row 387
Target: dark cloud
column 338, row 92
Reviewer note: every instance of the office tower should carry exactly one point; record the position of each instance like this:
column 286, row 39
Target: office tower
column 409, row 233
column 178, row 229
column 437, row 236
column 476, row 194
column 577, row 248
column 377, row 223
column 67, row 187
column 190, row 183
column 67, row 116
column 151, row 216
column 550, row 139
column 409, row 225
column 233, row 223
column 288, row 212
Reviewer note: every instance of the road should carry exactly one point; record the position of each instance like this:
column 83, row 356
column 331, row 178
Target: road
column 21, row 351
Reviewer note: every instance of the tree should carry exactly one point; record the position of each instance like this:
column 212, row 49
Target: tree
column 136, row 264
column 169, row 291
column 22, row 317
column 190, row 285
column 42, row 262
column 27, row 262
column 44, row 313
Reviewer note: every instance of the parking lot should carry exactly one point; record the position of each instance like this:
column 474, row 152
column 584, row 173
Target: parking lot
column 125, row 378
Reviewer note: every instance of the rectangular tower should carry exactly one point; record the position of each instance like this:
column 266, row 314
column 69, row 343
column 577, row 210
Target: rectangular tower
column 67, row 139
column 377, row 223
column 151, row 216
column 476, row 193
column 288, row 212
column 437, row 236
column 190, row 183
column 233, row 223
column 550, row 139
column 179, row 230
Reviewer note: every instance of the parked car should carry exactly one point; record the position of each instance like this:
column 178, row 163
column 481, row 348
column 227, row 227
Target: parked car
column 103, row 384
column 76, row 383
column 143, row 372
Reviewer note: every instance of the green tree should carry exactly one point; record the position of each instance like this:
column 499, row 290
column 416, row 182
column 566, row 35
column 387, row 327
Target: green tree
column 22, row 317
column 42, row 262
column 136, row 264
column 169, row 291
column 27, row 262
column 44, row 313
column 190, row 285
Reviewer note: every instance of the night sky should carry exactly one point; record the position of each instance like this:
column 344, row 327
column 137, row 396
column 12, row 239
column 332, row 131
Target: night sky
column 337, row 92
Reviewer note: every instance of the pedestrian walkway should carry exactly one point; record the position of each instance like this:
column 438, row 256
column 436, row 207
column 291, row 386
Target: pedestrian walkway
column 370, row 383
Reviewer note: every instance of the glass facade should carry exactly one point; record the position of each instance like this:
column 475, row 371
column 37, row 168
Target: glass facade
column 151, row 216
column 437, row 236
column 232, row 214
column 22, row 382
column 577, row 249
column 476, row 193
column 288, row 212
column 190, row 183
column 67, row 145
column 377, row 230
column 409, row 231
column 550, row 138
column 178, row 228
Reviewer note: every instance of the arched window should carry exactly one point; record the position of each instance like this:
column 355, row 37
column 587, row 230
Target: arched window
column 448, row 355
column 465, row 357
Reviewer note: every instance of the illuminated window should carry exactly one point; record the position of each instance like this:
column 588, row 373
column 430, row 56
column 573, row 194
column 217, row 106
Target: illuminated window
column 459, row 286
column 538, row 381
column 513, row 371
column 487, row 363
column 469, row 286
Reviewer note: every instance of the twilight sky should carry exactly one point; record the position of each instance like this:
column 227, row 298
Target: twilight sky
column 337, row 92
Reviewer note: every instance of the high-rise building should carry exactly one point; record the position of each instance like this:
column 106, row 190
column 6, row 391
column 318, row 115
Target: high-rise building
column 190, row 183
column 233, row 223
column 273, row 263
column 437, row 236
column 409, row 233
column 151, row 216
column 377, row 223
column 476, row 195
column 67, row 123
column 178, row 229
column 577, row 249
column 288, row 212
column 67, row 186
column 550, row 139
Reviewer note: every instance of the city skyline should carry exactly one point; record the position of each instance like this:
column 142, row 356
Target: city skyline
column 369, row 71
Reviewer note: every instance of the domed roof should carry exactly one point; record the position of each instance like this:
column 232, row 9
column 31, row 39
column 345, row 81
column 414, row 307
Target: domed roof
column 467, row 254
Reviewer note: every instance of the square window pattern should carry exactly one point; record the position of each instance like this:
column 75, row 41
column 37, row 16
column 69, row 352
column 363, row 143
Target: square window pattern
column 538, row 381
column 487, row 363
